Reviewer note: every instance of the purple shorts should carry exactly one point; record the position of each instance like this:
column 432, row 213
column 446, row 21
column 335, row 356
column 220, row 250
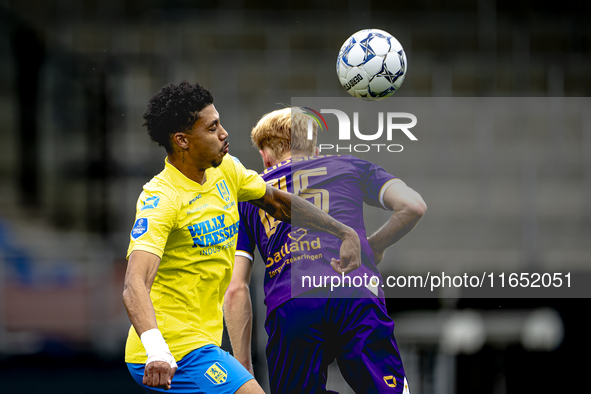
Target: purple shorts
column 308, row 334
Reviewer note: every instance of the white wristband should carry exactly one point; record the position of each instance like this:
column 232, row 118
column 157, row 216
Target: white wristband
column 156, row 347
column 153, row 341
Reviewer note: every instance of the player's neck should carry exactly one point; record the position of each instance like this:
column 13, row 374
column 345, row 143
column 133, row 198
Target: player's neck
column 188, row 168
column 290, row 154
column 287, row 155
column 299, row 153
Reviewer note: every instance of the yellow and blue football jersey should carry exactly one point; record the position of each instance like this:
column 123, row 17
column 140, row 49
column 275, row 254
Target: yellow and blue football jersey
column 193, row 229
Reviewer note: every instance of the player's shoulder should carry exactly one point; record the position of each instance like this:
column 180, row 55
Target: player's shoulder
column 230, row 165
column 325, row 158
column 340, row 162
column 232, row 161
column 238, row 178
column 356, row 162
column 278, row 169
column 163, row 187
column 354, row 166
column 353, row 159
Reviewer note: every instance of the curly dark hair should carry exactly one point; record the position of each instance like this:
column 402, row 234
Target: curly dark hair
column 174, row 109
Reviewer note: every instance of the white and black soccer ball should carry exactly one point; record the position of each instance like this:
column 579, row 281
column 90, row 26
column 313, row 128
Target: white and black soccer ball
column 371, row 64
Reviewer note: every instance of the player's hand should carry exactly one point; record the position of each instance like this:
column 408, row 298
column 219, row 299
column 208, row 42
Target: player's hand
column 350, row 254
column 159, row 374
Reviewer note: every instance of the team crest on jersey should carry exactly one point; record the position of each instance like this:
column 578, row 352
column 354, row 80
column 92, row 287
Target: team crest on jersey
column 139, row 228
column 216, row 374
column 150, row 202
column 223, row 190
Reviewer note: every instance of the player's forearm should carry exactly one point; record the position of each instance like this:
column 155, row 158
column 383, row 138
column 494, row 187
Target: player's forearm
column 140, row 310
column 160, row 363
column 307, row 215
column 400, row 223
column 287, row 207
column 238, row 316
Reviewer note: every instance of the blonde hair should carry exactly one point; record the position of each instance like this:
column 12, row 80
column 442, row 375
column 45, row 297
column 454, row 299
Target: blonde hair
column 284, row 130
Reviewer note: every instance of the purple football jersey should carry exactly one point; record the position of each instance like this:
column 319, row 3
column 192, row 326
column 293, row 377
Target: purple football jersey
column 297, row 259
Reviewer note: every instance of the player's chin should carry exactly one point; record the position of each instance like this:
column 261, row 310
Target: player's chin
column 217, row 162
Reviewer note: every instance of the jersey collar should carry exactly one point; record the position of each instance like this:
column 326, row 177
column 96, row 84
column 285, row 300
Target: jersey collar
column 183, row 180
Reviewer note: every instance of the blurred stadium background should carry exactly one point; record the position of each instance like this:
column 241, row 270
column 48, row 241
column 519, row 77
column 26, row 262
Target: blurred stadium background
column 75, row 77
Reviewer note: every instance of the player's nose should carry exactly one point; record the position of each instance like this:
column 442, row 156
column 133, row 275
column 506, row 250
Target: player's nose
column 223, row 134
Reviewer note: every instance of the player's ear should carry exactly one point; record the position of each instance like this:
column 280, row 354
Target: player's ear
column 180, row 140
column 316, row 151
column 266, row 158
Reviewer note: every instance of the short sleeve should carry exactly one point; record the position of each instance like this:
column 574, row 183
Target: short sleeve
column 375, row 181
column 250, row 184
column 246, row 241
column 155, row 218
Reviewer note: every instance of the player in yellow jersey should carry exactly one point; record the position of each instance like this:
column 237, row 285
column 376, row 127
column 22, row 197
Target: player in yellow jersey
column 182, row 248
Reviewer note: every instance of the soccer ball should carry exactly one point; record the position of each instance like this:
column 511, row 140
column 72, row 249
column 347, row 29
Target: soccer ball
column 371, row 64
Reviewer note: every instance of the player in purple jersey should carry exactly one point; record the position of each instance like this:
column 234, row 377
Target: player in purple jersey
column 309, row 324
